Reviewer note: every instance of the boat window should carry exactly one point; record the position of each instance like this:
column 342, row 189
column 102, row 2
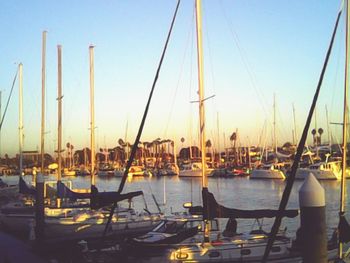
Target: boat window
column 214, row 254
column 181, row 255
column 277, row 167
column 245, row 252
column 276, row 249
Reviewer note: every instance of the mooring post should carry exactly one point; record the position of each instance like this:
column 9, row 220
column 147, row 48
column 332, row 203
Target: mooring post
column 39, row 208
column 313, row 236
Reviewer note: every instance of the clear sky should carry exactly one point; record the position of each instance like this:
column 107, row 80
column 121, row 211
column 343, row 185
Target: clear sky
column 252, row 50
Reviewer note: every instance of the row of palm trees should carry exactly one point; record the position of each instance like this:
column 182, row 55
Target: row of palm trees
column 317, row 138
column 158, row 148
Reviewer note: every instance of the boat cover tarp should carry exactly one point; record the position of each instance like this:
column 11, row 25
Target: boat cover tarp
column 64, row 192
column 344, row 230
column 25, row 189
column 211, row 209
column 103, row 199
column 97, row 199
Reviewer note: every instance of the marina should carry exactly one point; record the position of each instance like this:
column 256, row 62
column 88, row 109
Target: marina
column 239, row 192
column 170, row 199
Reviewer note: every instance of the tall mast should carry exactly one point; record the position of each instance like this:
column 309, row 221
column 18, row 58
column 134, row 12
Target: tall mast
column 295, row 128
column 218, row 127
column 224, row 140
column 43, row 80
column 0, row 120
column 190, row 136
column 328, row 128
column 125, row 139
column 345, row 119
column 274, row 124
column 20, row 66
column 59, row 117
column 174, row 153
column 201, row 89
column 92, row 112
column 316, row 139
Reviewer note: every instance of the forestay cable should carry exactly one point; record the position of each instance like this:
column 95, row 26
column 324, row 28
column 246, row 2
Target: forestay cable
column 291, row 177
column 137, row 140
column 9, row 98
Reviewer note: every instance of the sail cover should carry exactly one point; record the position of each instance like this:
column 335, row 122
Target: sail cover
column 64, row 192
column 211, row 209
column 97, row 199
column 25, row 189
column 102, row 199
column 344, row 229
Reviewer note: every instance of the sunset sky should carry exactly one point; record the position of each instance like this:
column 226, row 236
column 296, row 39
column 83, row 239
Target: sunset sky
column 252, row 50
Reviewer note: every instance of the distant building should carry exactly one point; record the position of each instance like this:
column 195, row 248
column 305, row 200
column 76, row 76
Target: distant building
column 33, row 156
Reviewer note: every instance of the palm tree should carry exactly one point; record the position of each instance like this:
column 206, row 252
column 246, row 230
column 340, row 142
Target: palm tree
column 233, row 139
column 320, row 132
column 209, row 145
column 313, row 132
column 182, row 142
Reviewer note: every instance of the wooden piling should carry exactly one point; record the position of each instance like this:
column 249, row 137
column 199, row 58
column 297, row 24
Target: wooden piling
column 313, row 235
column 39, row 208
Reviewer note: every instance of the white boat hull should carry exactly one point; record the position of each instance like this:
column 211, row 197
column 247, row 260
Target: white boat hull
column 302, row 173
column 239, row 251
column 267, row 174
column 78, row 227
column 194, row 173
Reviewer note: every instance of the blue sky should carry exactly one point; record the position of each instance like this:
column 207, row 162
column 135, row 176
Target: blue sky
column 252, row 50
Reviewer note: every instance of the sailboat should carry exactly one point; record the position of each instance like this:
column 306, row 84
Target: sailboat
column 194, row 169
column 71, row 221
column 234, row 247
column 6, row 190
column 328, row 170
column 275, row 170
column 124, row 220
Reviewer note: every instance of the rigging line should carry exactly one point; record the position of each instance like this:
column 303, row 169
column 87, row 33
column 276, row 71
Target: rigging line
column 282, row 132
column 290, row 179
column 335, row 81
column 210, row 58
column 191, row 80
column 262, row 132
column 178, row 82
column 9, row 98
column 137, row 140
column 246, row 63
column 133, row 151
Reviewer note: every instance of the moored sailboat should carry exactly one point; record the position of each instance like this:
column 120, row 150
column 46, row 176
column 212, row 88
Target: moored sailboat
column 233, row 248
column 194, row 169
column 268, row 171
column 322, row 171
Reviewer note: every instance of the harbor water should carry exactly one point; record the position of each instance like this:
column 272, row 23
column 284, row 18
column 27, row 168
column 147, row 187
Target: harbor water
column 240, row 192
